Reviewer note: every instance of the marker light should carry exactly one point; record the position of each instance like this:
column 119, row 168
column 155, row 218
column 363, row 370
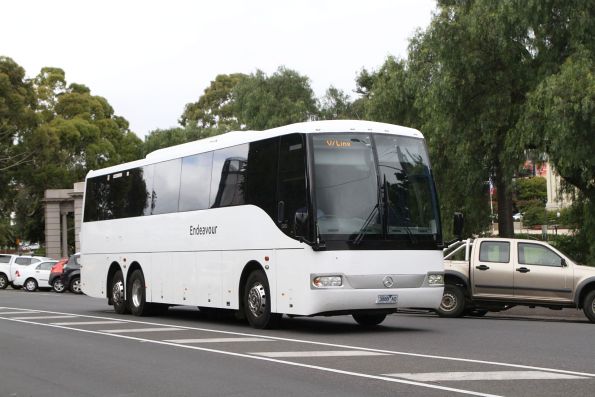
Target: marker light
column 327, row 281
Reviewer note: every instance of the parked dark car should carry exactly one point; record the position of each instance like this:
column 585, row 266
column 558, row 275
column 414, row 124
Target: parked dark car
column 54, row 281
column 71, row 275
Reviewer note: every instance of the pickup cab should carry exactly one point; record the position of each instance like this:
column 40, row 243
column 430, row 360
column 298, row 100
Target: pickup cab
column 9, row 264
column 495, row 274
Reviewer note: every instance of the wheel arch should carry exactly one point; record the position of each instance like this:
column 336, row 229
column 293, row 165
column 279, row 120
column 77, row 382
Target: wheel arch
column 456, row 278
column 113, row 268
column 583, row 289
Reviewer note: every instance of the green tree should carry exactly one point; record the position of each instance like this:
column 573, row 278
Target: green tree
column 336, row 105
column 215, row 108
column 77, row 132
column 263, row 102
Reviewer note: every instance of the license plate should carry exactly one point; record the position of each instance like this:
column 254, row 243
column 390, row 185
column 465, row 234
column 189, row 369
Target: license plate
column 387, row 299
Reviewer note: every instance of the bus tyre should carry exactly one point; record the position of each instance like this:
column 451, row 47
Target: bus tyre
column 453, row 302
column 589, row 306
column 368, row 320
column 118, row 295
column 3, row 281
column 257, row 302
column 136, row 294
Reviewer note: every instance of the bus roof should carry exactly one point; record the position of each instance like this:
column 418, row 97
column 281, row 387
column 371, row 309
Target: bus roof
column 240, row 137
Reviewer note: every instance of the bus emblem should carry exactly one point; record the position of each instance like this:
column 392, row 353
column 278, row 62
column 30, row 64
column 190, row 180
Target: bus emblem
column 388, row 281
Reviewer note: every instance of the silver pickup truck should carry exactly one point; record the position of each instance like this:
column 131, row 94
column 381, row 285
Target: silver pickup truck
column 494, row 274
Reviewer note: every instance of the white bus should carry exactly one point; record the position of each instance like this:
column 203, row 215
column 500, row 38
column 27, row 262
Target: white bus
column 317, row 218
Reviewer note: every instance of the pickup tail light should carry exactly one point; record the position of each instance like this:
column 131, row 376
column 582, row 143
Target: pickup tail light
column 17, row 274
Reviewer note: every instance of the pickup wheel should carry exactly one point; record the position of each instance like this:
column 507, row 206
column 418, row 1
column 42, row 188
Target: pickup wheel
column 589, row 306
column 453, row 302
column 3, row 281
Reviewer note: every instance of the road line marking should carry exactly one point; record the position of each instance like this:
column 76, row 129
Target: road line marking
column 218, row 340
column 40, row 317
column 21, row 312
column 488, row 375
column 268, row 359
column 407, row 354
column 320, row 353
column 90, row 322
column 130, row 330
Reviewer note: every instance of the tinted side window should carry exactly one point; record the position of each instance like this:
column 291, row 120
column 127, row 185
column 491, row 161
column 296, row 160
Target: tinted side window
column 494, row 251
column 195, row 182
column 23, row 261
column 119, row 195
column 166, row 186
column 260, row 177
column 227, row 181
column 535, row 254
column 4, row 258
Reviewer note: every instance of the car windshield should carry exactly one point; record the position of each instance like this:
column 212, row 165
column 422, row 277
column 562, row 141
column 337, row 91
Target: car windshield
column 358, row 196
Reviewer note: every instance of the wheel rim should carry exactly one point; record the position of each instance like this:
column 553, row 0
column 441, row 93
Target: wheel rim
column 593, row 306
column 118, row 292
column 76, row 286
column 449, row 302
column 257, row 300
column 30, row 285
column 3, row 282
column 137, row 293
column 58, row 286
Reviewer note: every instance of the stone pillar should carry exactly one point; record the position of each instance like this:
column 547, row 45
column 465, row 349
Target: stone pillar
column 77, row 196
column 52, row 230
column 64, row 250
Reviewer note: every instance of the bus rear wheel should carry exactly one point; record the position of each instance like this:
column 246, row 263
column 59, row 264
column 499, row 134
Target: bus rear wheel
column 118, row 295
column 136, row 294
column 257, row 302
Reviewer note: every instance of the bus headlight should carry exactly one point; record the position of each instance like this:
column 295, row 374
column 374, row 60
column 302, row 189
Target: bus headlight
column 327, row 281
column 436, row 279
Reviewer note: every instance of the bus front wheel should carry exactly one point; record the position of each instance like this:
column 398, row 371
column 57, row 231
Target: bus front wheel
column 118, row 293
column 257, row 302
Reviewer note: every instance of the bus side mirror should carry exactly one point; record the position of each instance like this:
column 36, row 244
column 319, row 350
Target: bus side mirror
column 458, row 222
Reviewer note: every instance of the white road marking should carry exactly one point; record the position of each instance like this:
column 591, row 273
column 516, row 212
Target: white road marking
column 40, row 317
column 131, row 330
column 319, row 353
column 90, row 322
column 20, row 312
column 490, row 375
column 219, row 340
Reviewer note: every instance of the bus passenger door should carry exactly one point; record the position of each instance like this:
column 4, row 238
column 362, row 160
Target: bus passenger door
column 292, row 204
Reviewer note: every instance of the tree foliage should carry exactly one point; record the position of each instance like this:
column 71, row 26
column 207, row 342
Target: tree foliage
column 263, row 102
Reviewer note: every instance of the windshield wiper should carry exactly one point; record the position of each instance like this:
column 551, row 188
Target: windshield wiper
column 362, row 231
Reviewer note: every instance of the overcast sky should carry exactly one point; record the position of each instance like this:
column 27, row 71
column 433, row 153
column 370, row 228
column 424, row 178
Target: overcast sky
column 150, row 58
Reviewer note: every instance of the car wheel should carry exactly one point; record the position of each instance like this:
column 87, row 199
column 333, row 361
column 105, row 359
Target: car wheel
column 257, row 302
column 3, row 281
column 58, row 286
column 30, row 285
column 75, row 286
column 589, row 306
column 118, row 294
column 368, row 320
column 453, row 302
column 137, row 294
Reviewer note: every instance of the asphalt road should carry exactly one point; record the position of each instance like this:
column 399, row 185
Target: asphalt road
column 67, row 345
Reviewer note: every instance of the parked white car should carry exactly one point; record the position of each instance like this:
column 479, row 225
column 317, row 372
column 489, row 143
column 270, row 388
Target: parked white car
column 9, row 264
column 34, row 276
